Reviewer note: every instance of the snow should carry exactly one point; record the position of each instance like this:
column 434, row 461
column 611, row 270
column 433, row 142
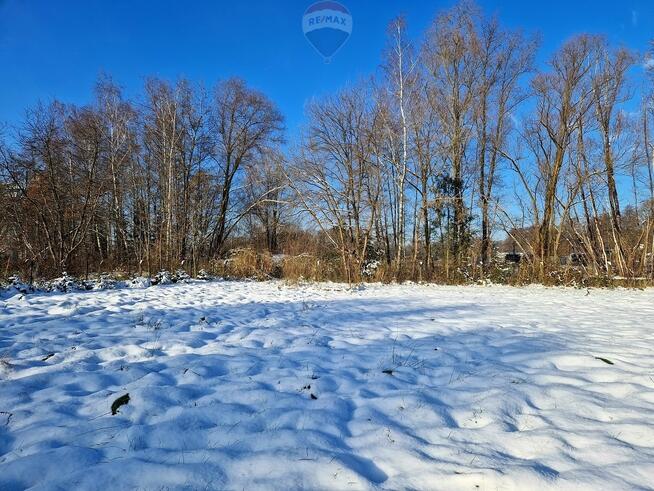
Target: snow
column 244, row 385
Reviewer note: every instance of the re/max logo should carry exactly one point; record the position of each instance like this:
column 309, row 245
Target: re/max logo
column 327, row 19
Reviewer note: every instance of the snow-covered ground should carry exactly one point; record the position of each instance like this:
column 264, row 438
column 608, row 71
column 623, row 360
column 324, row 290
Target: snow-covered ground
column 266, row 386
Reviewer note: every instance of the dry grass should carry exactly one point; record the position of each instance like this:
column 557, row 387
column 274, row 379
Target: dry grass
column 308, row 267
column 245, row 263
column 320, row 266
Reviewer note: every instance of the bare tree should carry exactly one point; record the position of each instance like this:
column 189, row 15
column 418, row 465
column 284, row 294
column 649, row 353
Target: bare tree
column 336, row 176
column 400, row 69
column 266, row 187
column 562, row 101
column 419, row 168
column 505, row 56
column 244, row 124
column 450, row 53
column 609, row 80
column 56, row 178
column 118, row 120
column 426, row 140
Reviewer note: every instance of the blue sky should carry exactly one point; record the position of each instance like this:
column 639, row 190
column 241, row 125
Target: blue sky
column 57, row 48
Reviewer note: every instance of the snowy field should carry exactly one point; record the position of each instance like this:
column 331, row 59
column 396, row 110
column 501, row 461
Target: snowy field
column 244, row 386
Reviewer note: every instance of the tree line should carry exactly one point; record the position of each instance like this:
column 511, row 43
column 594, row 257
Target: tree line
column 458, row 150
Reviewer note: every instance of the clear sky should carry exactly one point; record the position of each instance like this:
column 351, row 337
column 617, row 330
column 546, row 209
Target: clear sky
column 57, row 48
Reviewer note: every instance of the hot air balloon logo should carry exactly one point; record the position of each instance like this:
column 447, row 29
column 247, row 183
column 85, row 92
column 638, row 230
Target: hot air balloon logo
column 327, row 25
